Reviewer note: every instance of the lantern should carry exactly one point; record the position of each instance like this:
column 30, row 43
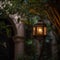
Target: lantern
column 39, row 29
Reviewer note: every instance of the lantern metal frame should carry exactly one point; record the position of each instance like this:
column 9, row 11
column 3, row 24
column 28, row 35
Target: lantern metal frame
column 41, row 25
column 38, row 36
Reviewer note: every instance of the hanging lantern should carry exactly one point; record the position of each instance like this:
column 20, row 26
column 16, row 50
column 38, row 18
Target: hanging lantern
column 39, row 29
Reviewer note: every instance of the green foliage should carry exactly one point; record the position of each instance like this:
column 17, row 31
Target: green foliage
column 13, row 6
column 29, row 42
column 24, row 7
column 5, row 29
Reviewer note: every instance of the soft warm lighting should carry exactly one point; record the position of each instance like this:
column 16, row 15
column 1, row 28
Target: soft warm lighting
column 33, row 30
column 45, row 30
column 39, row 30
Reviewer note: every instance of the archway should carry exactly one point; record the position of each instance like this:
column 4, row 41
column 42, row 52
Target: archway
column 7, row 31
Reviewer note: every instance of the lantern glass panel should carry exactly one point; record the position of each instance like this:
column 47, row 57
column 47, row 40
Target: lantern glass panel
column 33, row 30
column 45, row 30
column 39, row 30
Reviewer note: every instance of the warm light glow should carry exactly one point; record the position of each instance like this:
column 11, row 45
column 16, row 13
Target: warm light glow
column 45, row 31
column 39, row 30
column 34, row 31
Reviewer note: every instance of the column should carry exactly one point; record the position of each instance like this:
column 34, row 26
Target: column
column 19, row 41
column 54, row 50
column 19, row 38
column 19, row 47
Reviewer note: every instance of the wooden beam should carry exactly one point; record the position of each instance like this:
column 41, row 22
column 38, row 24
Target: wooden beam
column 56, row 19
column 58, row 15
column 52, row 21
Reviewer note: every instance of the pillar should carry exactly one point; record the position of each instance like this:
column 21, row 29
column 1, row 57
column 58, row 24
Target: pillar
column 38, row 47
column 19, row 41
column 19, row 47
column 54, row 50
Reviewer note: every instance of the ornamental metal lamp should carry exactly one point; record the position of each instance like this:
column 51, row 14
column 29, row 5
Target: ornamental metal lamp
column 39, row 33
column 39, row 29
